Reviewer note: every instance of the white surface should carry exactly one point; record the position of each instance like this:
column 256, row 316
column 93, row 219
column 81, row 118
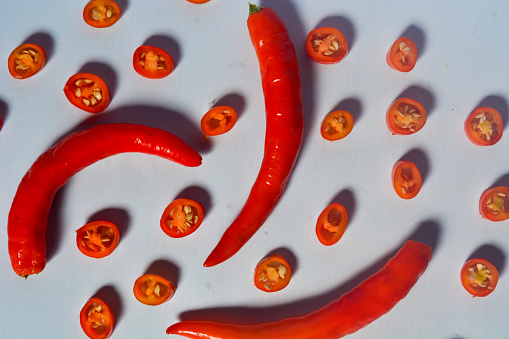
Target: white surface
column 462, row 64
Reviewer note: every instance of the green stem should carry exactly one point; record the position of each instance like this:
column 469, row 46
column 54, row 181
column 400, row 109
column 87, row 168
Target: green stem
column 253, row 8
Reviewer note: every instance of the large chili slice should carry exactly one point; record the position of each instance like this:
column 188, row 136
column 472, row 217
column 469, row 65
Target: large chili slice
column 355, row 309
column 28, row 217
column 284, row 126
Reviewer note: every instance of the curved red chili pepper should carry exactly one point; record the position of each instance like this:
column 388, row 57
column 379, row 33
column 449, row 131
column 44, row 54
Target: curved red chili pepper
column 284, row 127
column 355, row 309
column 28, row 217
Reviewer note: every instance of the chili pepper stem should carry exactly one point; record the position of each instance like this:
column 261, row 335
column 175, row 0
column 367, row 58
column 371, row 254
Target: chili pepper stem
column 253, row 8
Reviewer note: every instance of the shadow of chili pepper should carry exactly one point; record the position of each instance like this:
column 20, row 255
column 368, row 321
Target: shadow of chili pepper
column 288, row 255
column 166, row 43
column 493, row 254
column 427, row 232
column 44, row 40
column 4, row 111
column 105, row 72
column 165, row 269
column 234, row 100
column 420, row 159
column 497, row 102
column 344, row 25
column 502, row 181
column 352, row 106
column 118, row 216
column 123, row 5
column 416, row 34
column 421, row 95
column 198, row 194
column 111, row 297
column 346, row 198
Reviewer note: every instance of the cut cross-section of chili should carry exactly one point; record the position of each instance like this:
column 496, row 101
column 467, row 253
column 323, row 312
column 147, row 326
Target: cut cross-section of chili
column 97, row 319
column 218, row 120
column 181, row 217
column 402, row 56
column 331, row 224
column 336, row 125
column 326, row 45
column 405, row 116
column 97, row 239
column 152, row 62
column 273, row 273
column 406, row 179
column 479, row 277
column 152, row 289
column 87, row 92
column 484, row 126
column 101, row 13
column 26, row 60
column 494, row 204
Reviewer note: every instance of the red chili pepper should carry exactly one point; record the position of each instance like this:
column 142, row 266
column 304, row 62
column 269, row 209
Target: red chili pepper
column 28, row 217
column 284, row 127
column 355, row 309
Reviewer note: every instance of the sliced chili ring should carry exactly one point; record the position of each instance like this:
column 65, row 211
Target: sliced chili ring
column 405, row 116
column 26, row 60
column 402, row 56
column 101, row 13
column 152, row 62
column 331, row 224
column 97, row 239
column 152, row 289
column 406, row 179
column 336, row 125
column 97, row 319
column 272, row 273
column 494, row 204
column 87, row 92
column 479, row 277
column 181, row 218
column 326, row 45
column 218, row 120
column 484, row 126
column 198, row 1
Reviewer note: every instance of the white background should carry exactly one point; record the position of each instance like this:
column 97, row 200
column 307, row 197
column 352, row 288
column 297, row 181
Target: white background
column 462, row 65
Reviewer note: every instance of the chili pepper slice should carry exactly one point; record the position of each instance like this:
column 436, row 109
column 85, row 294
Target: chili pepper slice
column 326, row 45
column 181, row 218
column 355, row 309
column 152, row 289
column 494, row 204
column 479, row 277
column 26, row 60
column 336, row 125
column 272, row 273
column 484, row 126
column 97, row 319
column 97, row 239
column 218, row 120
column 87, row 92
column 284, row 128
column 101, row 13
column 198, row 1
column 406, row 179
column 402, row 56
column 331, row 224
column 405, row 116
column 152, row 62
column 28, row 217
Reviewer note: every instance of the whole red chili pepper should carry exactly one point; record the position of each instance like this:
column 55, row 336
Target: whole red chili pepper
column 284, row 127
column 355, row 309
column 28, row 217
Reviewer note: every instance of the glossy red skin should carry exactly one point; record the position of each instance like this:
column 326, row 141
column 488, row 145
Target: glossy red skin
column 28, row 217
column 392, row 56
column 94, row 226
column 70, row 87
column 320, row 57
column 284, row 127
column 465, row 281
column 396, row 171
column 355, row 309
column 33, row 70
column 98, row 23
column 109, row 319
column 390, row 121
column 158, row 74
column 483, row 202
column 496, row 118
column 326, row 237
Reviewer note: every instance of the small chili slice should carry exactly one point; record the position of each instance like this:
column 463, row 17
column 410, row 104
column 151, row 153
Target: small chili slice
column 484, row 126
column 336, row 125
column 97, row 319
column 218, row 120
column 152, row 289
column 26, row 60
column 97, row 239
column 152, row 62
column 326, row 45
column 198, row 1
column 331, row 224
column 494, row 204
column 402, row 56
column 405, row 116
column 273, row 273
column 181, row 217
column 479, row 277
column 87, row 92
column 101, row 13
column 406, row 179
